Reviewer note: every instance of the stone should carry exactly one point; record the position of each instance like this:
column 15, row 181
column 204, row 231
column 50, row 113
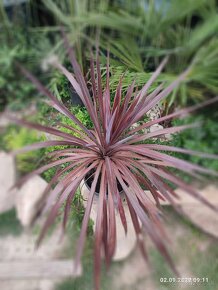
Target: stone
column 198, row 213
column 21, row 265
column 135, row 125
column 125, row 242
column 154, row 113
column 29, row 111
column 168, row 137
column 203, row 218
column 23, row 246
column 135, row 268
column 29, row 199
column 24, row 284
column 155, row 128
column 7, row 180
column 195, row 211
column 4, row 122
column 38, row 269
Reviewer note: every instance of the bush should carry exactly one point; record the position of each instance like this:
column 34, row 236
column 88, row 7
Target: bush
column 9, row 224
column 50, row 117
column 16, row 138
column 202, row 139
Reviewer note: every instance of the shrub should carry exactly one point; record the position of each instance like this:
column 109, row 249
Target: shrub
column 16, row 138
column 114, row 156
column 202, row 139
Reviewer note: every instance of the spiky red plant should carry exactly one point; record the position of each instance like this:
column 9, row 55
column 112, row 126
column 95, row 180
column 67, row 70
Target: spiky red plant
column 116, row 153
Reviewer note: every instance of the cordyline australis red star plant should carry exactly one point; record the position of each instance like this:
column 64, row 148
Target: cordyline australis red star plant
column 114, row 154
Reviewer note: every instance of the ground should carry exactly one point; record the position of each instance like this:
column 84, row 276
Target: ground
column 194, row 252
column 195, row 255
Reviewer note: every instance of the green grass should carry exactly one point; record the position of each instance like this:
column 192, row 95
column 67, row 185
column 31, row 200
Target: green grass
column 14, row 137
column 85, row 282
column 206, row 265
column 201, row 263
column 9, row 224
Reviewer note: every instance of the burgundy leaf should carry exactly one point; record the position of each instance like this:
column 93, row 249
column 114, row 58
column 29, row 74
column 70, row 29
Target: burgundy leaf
column 113, row 155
